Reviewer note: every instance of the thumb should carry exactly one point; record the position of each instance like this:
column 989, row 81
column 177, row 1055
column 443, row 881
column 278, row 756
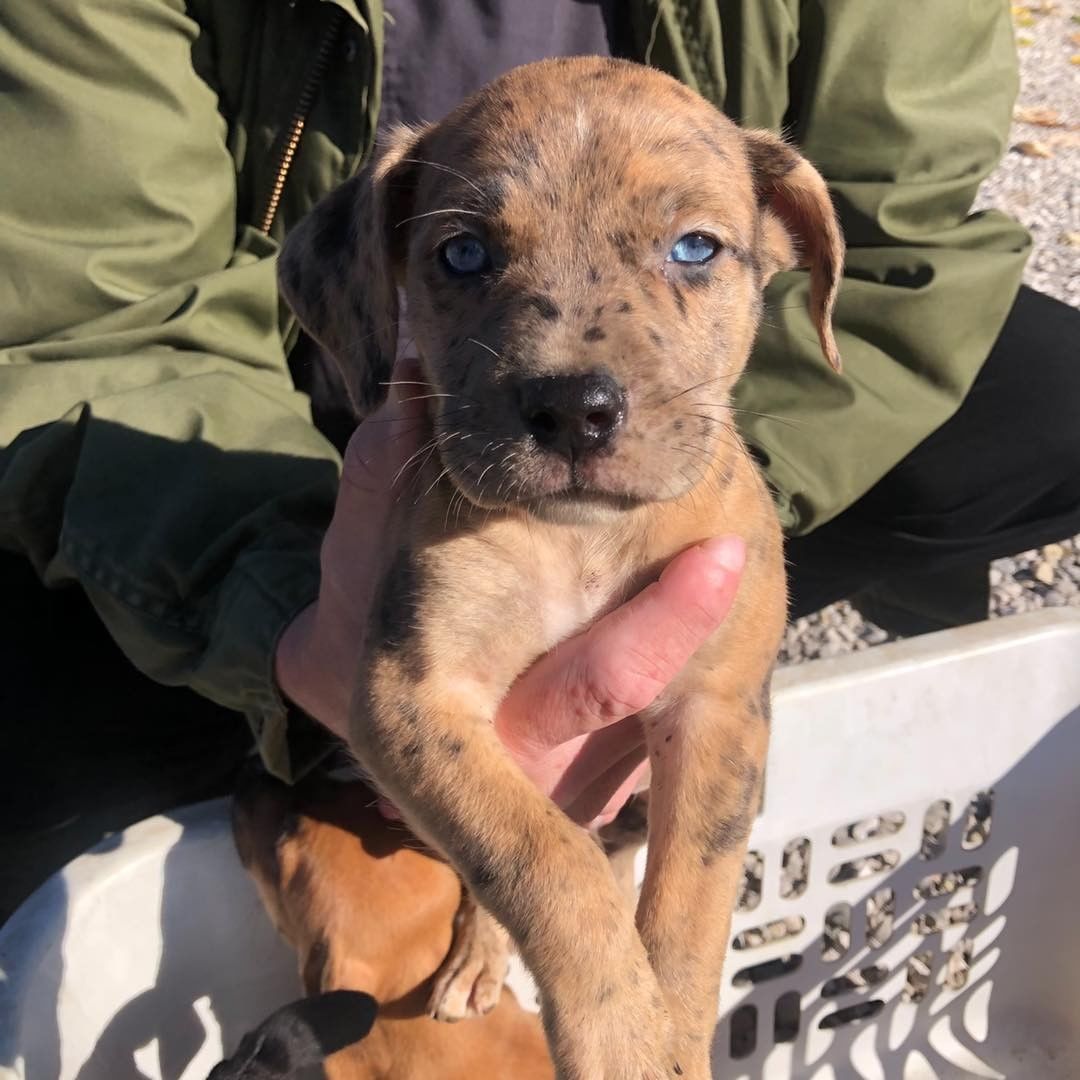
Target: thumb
column 621, row 664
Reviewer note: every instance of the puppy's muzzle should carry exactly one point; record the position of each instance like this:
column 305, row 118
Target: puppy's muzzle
column 572, row 415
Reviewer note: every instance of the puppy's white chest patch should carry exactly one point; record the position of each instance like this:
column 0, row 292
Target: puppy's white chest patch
column 566, row 611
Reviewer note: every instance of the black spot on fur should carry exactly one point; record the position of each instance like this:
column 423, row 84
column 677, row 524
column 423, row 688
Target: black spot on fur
column 766, row 702
column 503, row 103
column 492, row 194
column 594, row 275
column 677, row 1068
column 752, row 704
column 655, row 338
column 710, row 142
column 624, row 307
column 598, row 311
column 546, row 307
column 553, row 200
column 680, row 299
column 731, row 826
column 413, row 748
column 518, row 865
column 395, row 618
column 451, row 744
column 678, row 425
column 624, row 248
column 478, row 866
column 594, row 333
column 770, row 162
column 698, row 277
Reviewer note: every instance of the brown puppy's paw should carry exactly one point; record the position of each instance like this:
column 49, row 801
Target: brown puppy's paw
column 471, row 978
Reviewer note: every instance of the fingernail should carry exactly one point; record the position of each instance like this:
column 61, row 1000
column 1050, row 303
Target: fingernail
column 728, row 552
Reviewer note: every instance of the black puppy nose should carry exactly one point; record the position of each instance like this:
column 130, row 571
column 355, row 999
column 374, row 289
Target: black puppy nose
column 573, row 415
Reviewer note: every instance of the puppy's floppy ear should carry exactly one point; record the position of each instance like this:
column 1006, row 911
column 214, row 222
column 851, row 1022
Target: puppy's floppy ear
column 795, row 204
column 300, row 1035
column 339, row 268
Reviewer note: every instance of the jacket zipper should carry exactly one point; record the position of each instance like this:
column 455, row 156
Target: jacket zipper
column 299, row 117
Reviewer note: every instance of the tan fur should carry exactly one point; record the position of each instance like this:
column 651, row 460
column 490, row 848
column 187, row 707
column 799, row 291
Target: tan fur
column 365, row 909
column 578, row 175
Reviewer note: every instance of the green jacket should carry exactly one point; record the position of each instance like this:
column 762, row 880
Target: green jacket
column 154, row 450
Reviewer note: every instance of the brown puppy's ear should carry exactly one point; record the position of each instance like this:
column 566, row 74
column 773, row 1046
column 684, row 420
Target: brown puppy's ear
column 796, row 204
column 300, row 1037
column 339, row 269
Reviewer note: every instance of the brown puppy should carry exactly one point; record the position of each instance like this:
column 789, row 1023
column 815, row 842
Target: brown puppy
column 583, row 247
column 365, row 909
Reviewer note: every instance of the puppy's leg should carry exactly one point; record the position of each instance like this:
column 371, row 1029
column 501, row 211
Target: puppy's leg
column 622, row 839
column 708, row 757
column 431, row 748
column 471, row 978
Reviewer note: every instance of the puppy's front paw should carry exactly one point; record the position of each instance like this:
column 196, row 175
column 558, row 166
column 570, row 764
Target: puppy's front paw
column 472, row 975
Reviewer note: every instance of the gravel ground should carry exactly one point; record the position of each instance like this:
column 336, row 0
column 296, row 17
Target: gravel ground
column 1038, row 183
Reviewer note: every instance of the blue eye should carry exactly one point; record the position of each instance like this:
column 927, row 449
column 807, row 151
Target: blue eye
column 464, row 254
column 694, row 248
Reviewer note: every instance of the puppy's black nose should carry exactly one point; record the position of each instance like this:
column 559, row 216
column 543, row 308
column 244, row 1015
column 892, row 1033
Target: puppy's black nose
column 573, row 415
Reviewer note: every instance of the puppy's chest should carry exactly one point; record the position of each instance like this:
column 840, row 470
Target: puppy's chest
column 575, row 602
column 499, row 602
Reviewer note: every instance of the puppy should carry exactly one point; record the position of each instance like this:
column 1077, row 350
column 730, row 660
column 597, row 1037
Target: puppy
column 370, row 916
column 300, row 1036
column 583, row 247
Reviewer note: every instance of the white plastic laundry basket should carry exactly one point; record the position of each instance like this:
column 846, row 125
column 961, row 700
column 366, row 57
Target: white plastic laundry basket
column 910, row 910
column 935, row 789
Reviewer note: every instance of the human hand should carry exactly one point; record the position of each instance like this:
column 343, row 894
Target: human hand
column 569, row 720
column 318, row 653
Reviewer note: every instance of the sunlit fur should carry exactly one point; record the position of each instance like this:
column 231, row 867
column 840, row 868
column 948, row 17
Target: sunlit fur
column 578, row 175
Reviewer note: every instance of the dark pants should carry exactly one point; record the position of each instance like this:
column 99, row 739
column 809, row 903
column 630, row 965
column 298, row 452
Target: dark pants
column 1002, row 476
column 89, row 745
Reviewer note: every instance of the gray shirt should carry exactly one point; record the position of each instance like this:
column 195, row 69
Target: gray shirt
column 438, row 52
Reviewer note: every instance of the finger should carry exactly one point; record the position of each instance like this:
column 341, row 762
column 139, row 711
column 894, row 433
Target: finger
column 595, row 755
column 600, row 804
column 620, row 665
column 386, row 443
column 634, row 783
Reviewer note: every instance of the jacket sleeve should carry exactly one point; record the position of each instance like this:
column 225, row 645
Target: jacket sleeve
column 153, row 450
column 905, row 109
